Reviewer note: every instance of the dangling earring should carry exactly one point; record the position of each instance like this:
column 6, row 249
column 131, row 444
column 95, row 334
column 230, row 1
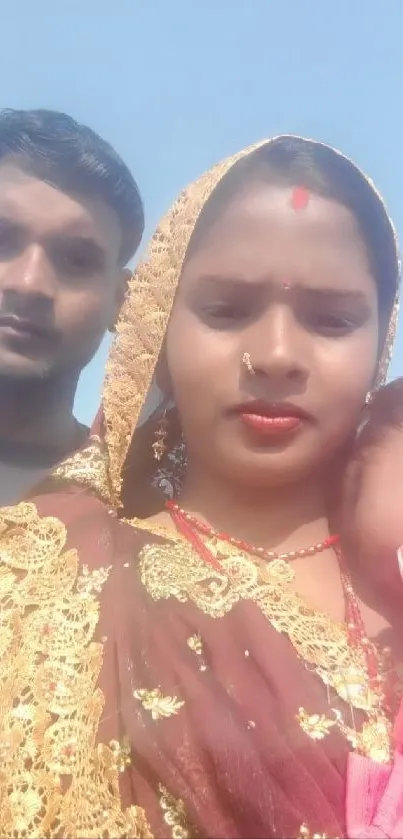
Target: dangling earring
column 160, row 438
column 368, row 398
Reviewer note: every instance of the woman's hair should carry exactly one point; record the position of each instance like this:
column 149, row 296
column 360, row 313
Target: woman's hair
column 293, row 161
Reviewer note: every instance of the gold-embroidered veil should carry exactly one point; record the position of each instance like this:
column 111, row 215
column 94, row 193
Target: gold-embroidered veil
column 140, row 335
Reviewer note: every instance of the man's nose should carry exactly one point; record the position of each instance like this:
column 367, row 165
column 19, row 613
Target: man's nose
column 30, row 273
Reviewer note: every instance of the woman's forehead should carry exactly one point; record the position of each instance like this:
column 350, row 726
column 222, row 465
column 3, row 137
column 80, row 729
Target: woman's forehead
column 260, row 234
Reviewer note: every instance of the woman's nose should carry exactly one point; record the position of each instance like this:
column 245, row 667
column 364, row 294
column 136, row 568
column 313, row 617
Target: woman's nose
column 277, row 346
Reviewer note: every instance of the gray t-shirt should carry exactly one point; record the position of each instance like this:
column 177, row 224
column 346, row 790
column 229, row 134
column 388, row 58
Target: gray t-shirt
column 16, row 481
column 23, row 466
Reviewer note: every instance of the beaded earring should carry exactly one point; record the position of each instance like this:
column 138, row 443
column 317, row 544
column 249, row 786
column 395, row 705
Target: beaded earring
column 160, row 438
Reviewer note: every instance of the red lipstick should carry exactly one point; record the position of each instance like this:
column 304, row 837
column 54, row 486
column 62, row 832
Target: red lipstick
column 270, row 425
column 271, row 419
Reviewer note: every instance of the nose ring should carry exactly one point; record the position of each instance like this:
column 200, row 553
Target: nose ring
column 248, row 364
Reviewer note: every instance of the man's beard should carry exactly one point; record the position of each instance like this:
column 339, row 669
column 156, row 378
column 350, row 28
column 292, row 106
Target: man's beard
column 33, row 384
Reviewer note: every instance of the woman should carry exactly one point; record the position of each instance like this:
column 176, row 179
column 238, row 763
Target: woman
column 207, row 669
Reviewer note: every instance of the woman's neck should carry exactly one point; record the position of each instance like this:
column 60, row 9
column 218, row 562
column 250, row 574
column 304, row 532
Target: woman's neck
column 284, row 518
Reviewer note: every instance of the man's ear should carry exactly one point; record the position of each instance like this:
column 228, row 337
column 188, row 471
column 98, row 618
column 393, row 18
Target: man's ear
column 120, row 293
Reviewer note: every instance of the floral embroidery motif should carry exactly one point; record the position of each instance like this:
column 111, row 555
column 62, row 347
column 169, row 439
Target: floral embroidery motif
column 160, row 706
column 374, row 740
column 122, row 754
column 195, row 644
column 92, row 582
column 49, row 699
column 174, row 815
column 352, row 685
column 316, row 726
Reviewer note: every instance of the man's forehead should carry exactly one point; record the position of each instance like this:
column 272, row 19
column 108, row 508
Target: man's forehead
column 21, row 190
column 29, row 200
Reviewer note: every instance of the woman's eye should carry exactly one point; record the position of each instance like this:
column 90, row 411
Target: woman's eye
column 333, row 323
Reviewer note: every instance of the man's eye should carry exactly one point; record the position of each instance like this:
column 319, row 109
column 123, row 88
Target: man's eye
column 10, row 241
column 224, row 311
column 76, row 261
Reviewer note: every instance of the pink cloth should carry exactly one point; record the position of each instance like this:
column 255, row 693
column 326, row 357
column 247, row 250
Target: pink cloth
column 374, row 798
column 374, row 794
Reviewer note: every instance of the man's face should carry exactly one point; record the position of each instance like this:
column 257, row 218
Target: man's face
column 60, row 281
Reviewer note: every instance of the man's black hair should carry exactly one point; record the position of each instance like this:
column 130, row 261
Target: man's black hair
column 73, row 158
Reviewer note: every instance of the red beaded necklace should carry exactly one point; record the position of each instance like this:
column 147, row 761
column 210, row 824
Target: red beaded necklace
column 193, row 529
column 382, row 683
column 181, row 518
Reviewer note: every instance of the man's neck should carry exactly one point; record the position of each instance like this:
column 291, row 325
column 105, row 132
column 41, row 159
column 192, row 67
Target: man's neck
column 38, row 413
column 281, row 518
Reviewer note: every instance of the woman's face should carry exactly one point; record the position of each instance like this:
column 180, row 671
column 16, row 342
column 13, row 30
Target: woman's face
column 293, row 289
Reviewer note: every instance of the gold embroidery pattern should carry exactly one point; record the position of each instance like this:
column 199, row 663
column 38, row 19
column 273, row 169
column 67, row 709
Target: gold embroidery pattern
column 145, row 315
column 122, row 754
column 87, row 468
column 316, row 726
column 195, row 644
column 160, row 706
column 304, row 833
column 174, row 815
column 55, row 780
column 374, row 740
column 175, row 570
column 167, row 533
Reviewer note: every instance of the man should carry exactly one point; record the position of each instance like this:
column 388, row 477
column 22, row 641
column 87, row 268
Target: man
column 71, row 217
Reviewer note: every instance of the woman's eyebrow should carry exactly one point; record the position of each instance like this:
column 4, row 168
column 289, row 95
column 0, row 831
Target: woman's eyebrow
column 334, row 294
column 222, row 281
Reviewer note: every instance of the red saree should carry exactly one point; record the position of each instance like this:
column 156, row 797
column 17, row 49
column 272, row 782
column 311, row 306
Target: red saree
column 160, row 717
column 151, row 704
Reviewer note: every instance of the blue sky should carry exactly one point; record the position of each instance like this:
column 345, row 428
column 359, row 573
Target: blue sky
column 175, row 85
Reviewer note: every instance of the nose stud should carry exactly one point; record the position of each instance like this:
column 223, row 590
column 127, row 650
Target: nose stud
column 248, row 364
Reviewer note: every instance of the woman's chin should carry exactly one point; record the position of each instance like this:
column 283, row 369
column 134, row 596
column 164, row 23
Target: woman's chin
column 267, row 468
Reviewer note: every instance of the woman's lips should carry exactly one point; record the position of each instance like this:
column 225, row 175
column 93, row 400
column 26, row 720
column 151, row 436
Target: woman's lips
column 271, row 419
column 271, row 426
